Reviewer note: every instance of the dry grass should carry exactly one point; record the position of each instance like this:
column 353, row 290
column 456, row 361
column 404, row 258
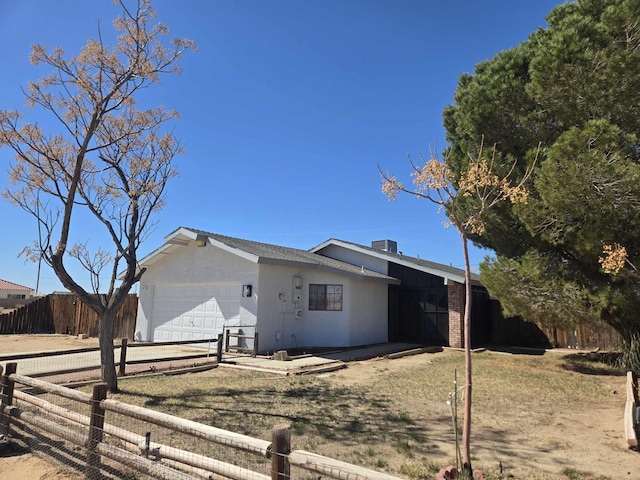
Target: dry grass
column 392, row 415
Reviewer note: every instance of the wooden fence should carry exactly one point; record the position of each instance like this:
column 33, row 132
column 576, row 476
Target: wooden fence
column 159, row 461
column 66, row 314
column 584, row 338
column 11, row 303
column 513, row 331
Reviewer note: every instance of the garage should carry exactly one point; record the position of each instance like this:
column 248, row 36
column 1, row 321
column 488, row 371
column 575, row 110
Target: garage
column 194, row 311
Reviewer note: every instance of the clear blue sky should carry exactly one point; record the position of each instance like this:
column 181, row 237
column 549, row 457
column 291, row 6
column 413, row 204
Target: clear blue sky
column 287, row 108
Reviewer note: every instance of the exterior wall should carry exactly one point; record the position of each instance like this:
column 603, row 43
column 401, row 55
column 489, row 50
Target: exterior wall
column 456, row 314
column 363, row 319
column 197, row 266
column 368, row 312
column 8, row 293
column 355, row 258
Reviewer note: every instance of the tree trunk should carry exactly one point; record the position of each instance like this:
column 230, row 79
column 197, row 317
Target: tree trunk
column 106, row 328
column 467, row 471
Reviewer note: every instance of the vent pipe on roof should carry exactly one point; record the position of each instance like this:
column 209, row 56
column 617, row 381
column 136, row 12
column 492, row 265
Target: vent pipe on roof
column 385, row 245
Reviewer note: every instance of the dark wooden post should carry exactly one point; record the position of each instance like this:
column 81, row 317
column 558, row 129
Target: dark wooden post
column 255, row 344
column 96, row 424
column 219, row 345
column 226, row 341
column 6, row 397
column 280, row 449
column 123, row 357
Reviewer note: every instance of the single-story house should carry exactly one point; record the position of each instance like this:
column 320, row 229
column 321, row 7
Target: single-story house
column 14, row 291
column 338, row 294
column 13, row 295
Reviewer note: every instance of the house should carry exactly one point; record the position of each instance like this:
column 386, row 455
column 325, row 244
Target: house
column 13, row 295
column 337, row 294
column 426, row 305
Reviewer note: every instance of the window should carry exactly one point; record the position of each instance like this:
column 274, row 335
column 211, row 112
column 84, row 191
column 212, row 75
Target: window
column 16, row 295
column 325, row 297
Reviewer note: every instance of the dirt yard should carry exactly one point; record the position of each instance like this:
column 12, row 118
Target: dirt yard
column 40, row 343
column 19, row 464
column 542, row 417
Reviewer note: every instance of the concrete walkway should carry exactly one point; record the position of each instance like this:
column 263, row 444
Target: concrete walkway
column 322, row 361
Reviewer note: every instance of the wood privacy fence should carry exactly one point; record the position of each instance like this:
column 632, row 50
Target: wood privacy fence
column 89, row 432
column 584, row 338
column 513, row 331
column 66, row 314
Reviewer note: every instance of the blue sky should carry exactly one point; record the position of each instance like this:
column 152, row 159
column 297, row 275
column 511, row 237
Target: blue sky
column 287, row 107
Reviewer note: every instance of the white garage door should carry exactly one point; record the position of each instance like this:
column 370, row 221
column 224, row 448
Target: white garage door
column 191, row 312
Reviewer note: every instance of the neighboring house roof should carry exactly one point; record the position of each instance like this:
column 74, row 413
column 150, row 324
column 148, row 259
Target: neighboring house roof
column 445, row 271
column 6, row 285
column 257, row 252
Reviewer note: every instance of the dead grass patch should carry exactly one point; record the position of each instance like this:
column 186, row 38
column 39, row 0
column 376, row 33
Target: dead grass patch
column 392, row 415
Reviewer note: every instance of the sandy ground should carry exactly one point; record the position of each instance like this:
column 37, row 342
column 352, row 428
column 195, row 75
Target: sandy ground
column 18, row 463
column 593, row 438
column 40, row 343
column 28, row 466
column 546, row 441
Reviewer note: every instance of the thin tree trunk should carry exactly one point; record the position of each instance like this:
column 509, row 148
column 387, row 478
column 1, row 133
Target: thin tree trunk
column 106, row 328
column 467, row 471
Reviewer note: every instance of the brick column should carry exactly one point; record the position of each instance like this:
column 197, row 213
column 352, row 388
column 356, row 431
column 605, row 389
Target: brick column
column 455, row 296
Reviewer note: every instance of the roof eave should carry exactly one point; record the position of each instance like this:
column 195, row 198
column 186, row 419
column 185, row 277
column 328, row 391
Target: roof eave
column 326, row 268
column 447, row 276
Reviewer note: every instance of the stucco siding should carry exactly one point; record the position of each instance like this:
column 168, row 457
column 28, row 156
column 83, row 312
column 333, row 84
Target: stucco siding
column 279, row 326
column 368, row 313
column 355, row 258
column 9, row 293
column 362, row 320
column 207, row 275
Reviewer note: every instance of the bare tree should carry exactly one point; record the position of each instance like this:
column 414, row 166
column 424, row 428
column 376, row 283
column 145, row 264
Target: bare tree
column 110, row 161
column 433, row 181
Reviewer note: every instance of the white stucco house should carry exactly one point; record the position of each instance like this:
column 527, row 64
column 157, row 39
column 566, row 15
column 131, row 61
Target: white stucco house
column 199, row 283
column 338, row 294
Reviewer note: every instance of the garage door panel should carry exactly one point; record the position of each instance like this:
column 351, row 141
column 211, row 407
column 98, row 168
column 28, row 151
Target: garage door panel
column 191, row 312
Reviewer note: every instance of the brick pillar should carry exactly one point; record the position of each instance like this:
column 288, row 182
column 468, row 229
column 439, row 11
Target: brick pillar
column 456, row 313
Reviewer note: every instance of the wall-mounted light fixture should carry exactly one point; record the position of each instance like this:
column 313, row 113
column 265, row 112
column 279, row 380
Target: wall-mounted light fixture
column 246, row 290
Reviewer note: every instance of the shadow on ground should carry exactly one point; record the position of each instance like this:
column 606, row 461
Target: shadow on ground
column 594, row 363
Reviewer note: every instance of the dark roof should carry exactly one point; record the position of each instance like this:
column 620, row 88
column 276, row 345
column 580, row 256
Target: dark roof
column 269, row 253
column 404, row 259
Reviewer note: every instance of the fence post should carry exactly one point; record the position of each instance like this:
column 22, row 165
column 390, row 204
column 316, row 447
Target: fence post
column 255, row 344
column 96, row 424
column 280, row 449
column 6, row 397
column 219, row 345
column 226, row 341
column 123, row 357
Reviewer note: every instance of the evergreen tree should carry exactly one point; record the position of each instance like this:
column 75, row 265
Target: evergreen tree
column 574, row 89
